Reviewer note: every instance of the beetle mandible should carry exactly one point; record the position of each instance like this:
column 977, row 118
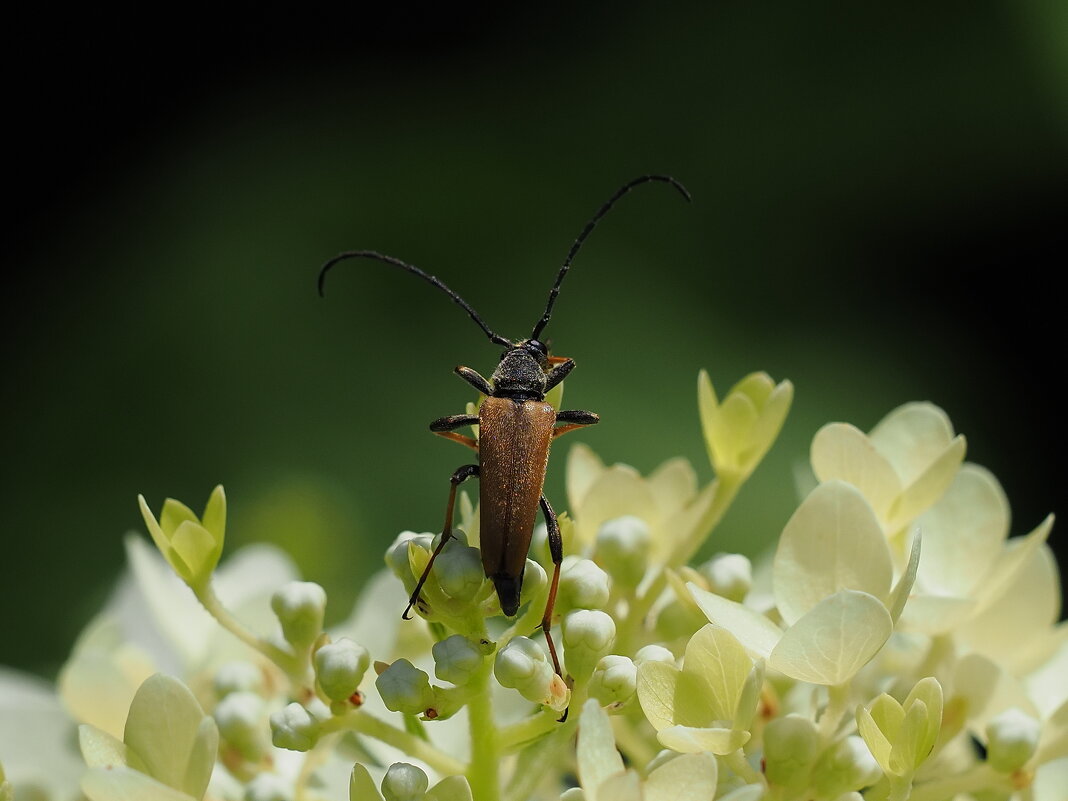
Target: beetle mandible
column 516, row 428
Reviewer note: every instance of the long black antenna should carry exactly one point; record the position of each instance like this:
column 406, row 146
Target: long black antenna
column 586, row 232
column 371, row 254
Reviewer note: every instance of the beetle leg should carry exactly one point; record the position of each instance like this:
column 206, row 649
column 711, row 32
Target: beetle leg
column 445, row 427
column 473, row 378
column 558, row 373
column 574, row 418
column 459, row 477
column 556, row 550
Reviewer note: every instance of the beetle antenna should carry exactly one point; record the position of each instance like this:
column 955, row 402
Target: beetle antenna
column 371, row 254
column 644, row 179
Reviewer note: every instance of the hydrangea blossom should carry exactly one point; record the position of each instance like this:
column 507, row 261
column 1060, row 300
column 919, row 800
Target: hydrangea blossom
column 901, row 627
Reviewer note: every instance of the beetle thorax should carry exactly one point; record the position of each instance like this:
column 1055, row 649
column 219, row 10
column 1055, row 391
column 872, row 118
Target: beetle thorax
column 519, row 375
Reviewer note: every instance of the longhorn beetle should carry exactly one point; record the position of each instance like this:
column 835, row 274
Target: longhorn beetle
column 516, row 427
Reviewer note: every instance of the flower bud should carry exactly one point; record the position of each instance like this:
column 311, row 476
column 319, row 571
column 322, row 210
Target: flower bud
column 459, row 572
column 456, row 659
column 405, row 688
column 588, row 635
column 267, row 787
column 614, row 680
column 622, row 548
column 654, row 653
column 294, row 728
column 239, row 717
column 339, row 668
column 523, row 666
column 192, row 546
column 583, row 585
column 404, row 782
column 1012, row 738
column 300, row 606
column 234, row 677
column 729, row 575
column 846, row 766
column 790, row 744
column 534, row 581
column 397, row 555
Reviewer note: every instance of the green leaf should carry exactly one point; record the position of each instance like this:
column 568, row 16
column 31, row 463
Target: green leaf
column 690, row 777
column 834, row 640
column 451, row 788
column 874, row 738
column 753, row 630
column 362, row 786
column 214, row 519
column 832, row 542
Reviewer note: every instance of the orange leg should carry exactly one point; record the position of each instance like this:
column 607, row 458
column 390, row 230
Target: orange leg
column 468, row 441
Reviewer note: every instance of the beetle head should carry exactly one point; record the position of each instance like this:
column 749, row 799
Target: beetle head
column 521, row 371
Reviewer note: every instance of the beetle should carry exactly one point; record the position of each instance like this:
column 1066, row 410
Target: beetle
column 516, row 428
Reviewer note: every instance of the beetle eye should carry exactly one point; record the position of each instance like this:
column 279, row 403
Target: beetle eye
column 538, row 346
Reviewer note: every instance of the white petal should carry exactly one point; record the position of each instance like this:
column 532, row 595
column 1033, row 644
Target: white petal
column 834, row 640
column 583, row 468
column 911, row 437
column 833, row 542
column 841, row 451
column 753, row 630
column 124, row 784
column 690, row 777
column 692, row 740
column 598, row 758
column 963, row 533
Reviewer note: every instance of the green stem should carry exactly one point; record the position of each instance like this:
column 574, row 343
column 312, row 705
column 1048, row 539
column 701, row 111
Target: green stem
column 367, row 724
column 737, row 762
column 483, row 773
column 837, row 704
column 981, row 777
column 289, row 662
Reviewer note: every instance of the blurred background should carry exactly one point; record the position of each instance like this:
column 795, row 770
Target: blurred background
column 879, row 214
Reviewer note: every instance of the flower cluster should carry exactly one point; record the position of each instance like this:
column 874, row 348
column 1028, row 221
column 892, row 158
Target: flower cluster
column 896, row 644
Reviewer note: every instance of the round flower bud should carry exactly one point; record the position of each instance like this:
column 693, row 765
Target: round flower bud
column 233, row 677
column 729, row 575
column 456, row 659
column 534, row 581
column 613, row 680
column 339, row 667
column 588, row 635
column 405, row 688
column 583, row 585
column 523, row 666
column 397, row 555
column 459, row 571
column 846, row 766
column 404, row 782
column 654, row 653
column 678, row 621
column 622, row 547
column 294, row 728
column 790, row 744
column 300, row 606
column 239, row 717
column 267, row 787
column 1012, row 738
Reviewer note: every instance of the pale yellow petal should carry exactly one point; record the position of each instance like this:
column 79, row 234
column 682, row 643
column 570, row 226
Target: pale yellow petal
column 841, row 451
column 753, row 630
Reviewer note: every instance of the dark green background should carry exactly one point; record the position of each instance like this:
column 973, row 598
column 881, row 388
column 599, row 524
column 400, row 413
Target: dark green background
column 879, row 200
